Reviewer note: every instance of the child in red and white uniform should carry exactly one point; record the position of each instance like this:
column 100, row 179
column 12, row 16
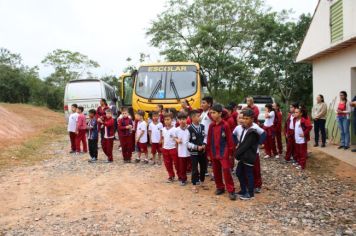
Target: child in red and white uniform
column 302, row 128
column 141, row 137
column 269, row 128
column 278, row 128
column 160, row 111
column 81, row 131
column 220, row 148
column 109, row 134
column 289, row 132
column 125, row 126
column 169, row 147
column 72, row 127
column 182, row 139
column 155, row 133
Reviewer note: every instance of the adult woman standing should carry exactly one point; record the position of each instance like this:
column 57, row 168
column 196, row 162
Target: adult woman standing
column 101, row 113
column 343, row 118
column 319, row 112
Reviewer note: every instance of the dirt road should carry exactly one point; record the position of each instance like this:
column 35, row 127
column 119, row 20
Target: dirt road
column 66, row 195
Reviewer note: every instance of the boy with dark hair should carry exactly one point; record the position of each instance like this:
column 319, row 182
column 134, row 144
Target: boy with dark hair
column 81, row 131
column 196, row 146
column 72, row 127
column 246, row 155
column 125, row 126
column 141, row 137
column 92, row 128
column 155, row 133
column 220, row 147
column 169, row 147
column 182, row 139
column 109, row 134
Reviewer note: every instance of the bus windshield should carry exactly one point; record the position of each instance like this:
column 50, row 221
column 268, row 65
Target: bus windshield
column 166, row 82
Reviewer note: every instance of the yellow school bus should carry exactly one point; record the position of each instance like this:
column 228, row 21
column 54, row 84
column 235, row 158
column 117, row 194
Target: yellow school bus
column 166, row 83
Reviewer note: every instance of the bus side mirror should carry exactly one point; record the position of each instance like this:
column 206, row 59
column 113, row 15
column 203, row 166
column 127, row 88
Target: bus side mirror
column 203, row 80
column 133, row 73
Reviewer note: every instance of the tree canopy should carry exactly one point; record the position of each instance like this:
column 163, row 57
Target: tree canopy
column 242, row 46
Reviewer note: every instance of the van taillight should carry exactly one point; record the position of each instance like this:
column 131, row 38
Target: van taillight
column 66, row 107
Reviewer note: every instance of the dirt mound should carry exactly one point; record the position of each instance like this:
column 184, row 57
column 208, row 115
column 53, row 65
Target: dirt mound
column 13, row 126
column 19, row 122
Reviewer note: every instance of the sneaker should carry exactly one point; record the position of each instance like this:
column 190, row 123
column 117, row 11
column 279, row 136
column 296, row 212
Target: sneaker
column 183, row 183
column 323, row 145
column 92, row 160
column 316, row 145
column 145, row 161
column 347, row 147
column 170, row 180
column 298, row 167
column 206, row 174
column 232, row 196
column 137, row 160
column 276, row 156
column 219, row 191
column 340, row 147
column 108, row 161
column 295, row 164
column 257, row 190
column 71, row 152
column 267, row 156
column 246, row 197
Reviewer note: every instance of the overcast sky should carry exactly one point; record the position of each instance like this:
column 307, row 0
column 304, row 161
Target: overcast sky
column 108, row 31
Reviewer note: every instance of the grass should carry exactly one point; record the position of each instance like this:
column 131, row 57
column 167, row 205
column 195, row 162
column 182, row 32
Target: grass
column 31, row 150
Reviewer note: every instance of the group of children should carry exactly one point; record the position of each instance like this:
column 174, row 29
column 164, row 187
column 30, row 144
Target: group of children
column 193, row 139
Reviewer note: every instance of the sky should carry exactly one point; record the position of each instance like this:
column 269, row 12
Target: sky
column 107, row 31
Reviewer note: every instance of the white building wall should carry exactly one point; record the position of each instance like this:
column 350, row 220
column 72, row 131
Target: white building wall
column 332, row 74
column 318, row 37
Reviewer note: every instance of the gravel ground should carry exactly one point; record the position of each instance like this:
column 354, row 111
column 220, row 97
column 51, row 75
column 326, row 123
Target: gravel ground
column 67, row 196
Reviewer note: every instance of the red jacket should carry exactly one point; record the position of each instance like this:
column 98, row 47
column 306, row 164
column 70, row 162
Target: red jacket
column 231, row 121
column 306, row 127
column 286, row 125
column 279, row 121
column 121, row 126
column 109, row 128
column 256, row 113
column 220, row 144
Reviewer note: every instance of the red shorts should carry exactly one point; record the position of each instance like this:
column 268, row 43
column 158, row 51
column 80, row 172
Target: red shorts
column 156, row 148
column 142, row 147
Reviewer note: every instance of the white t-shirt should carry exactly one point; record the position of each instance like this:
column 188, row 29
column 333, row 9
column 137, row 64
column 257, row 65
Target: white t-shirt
column 142, row 127
column 72, row 122
column 291, row 124
column 156, row 130
column 169, row 136
column 205, row 120
column 183, row 134
column 238, row 132
column 269, row 121
column 297, row 132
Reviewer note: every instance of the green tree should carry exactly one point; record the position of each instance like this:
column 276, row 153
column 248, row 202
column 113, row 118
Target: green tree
column 218, row 34
column 67, row 66
column 274, row 51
